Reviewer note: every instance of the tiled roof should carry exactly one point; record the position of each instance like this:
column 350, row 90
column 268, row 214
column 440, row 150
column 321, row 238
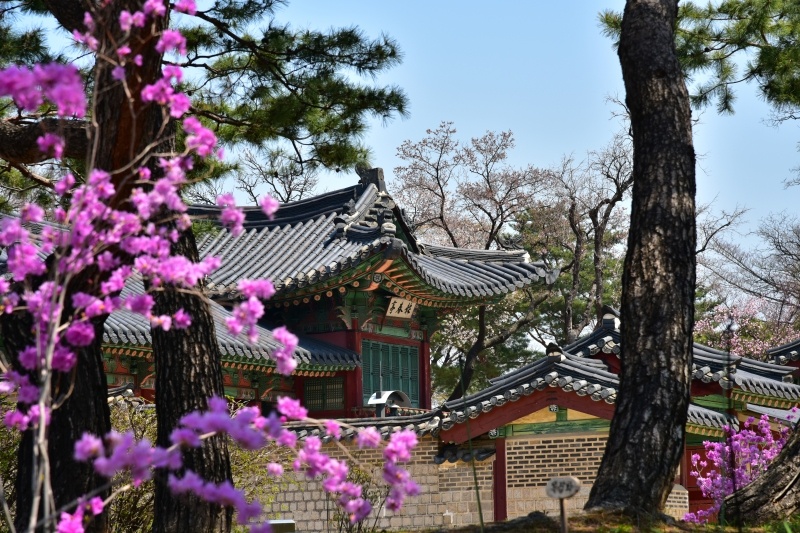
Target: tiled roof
column 565, row 371
column 570, row 373
column 708, row 364
column 126, row 328
column 784, row 415
column 312, row 241
column 785, row 353
column 422, row 424
column 707, row 418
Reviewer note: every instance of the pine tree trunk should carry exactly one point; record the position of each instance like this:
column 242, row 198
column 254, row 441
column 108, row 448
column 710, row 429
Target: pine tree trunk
column 647, row 431
column 188, row 372
column 775, row 494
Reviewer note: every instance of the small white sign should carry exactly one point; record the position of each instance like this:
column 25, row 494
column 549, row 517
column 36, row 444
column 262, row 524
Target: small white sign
column 400, row 308
column 563, row 487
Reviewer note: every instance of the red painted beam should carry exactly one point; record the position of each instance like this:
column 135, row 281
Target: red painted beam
column 510, row 411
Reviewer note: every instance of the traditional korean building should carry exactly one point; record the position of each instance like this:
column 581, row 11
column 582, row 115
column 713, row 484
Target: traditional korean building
column 353, row 283
column 552, row 417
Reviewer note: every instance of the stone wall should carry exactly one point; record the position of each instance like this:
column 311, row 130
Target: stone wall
column 458, row 495
column 531, row 461
column 677, row 502
column 447, row 494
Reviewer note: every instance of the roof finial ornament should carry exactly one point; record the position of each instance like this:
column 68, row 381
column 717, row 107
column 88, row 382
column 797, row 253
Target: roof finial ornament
column 372, row 176
column 509, row 242
column 554, row 351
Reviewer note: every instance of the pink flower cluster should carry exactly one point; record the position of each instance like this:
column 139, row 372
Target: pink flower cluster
column 399, row 451
column 735, row 462
column 250, row 430
column 759, row 326
column 60, row 84
column 73, row 523
column 163, row 93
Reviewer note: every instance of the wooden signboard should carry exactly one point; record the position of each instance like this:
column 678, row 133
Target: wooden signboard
column 400, row 308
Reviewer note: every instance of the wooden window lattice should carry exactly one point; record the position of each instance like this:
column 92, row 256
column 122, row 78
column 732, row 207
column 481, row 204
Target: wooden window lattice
column 324, row 394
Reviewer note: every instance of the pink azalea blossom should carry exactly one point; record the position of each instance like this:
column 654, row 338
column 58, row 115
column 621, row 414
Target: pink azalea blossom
column 118, row 73
column 181, row 320
column 171, row 40
column 231, row 217
column 291, row 408
column 96, row 505
column 200, row 139
column 80, row 334
column 155, row 8
column 51, row 144
column 368, row 438
column 269, row 206
column 71, row 523
column 186, row 6
column 65, row 184
column 260, row 288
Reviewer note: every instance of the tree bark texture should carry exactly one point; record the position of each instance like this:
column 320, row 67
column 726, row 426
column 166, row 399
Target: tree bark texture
column 773, row 495
column 80, row 406
column 18, row 139
column 188, row 372
column 647, row 431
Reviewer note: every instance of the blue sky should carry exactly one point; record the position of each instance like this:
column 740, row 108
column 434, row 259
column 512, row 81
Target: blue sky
column 544, row 71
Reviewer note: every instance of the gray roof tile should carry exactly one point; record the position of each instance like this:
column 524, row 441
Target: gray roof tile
column 126, row 328
column 314, row 239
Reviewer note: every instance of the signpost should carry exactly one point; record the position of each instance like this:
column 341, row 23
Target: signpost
column 563, row 488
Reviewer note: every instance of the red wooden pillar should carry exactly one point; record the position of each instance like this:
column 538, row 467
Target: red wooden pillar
column 425, row 372
column 355, row 380
column 499, row 481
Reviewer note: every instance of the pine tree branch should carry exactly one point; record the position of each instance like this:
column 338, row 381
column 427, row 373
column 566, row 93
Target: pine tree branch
column 36, row 178
column 18, row 139
column 69, row 13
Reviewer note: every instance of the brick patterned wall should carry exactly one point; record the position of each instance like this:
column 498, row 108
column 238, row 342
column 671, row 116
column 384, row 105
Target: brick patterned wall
column 458, row 494
column 447, row 495
column 677, row 502
column 532, row 461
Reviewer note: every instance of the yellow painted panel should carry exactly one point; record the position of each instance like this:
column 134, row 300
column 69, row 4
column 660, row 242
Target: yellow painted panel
column 577, row 415
column 542, row 415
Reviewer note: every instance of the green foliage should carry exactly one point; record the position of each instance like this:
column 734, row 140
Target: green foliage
column 264, row 83
column 261, row 84
column 201, row 228
column 9, row 441
column 132, row 511
column 575, row 291
column 20, row 45
column 16, row 189
column 455, row 336
column 723, row 43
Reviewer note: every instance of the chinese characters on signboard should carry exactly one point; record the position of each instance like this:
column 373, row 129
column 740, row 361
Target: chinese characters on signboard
column 400, row 308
